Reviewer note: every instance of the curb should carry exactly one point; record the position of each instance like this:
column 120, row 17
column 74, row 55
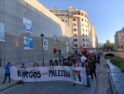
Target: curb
column 4, row 87
column 112, row 86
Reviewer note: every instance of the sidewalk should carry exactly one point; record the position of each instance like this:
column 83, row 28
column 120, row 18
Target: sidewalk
column 6, row 85
column 13, row 83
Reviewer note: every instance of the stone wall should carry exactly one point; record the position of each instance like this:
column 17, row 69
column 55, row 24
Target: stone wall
column 12, row 13
column 119, row 54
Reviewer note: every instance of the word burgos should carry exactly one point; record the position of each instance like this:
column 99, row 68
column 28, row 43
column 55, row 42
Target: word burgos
column 29, row 74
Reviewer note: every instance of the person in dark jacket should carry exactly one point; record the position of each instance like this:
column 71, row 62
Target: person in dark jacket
column 91, row 66
column 7, row 72
column 51, row 62
column 94, row 68
column 85, row 64
column 56, row 63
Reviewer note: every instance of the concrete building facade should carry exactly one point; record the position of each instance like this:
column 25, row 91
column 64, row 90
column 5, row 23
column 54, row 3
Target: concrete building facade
column 78, row 21
column 119, row 39
column 92, row 36
column 21, row 23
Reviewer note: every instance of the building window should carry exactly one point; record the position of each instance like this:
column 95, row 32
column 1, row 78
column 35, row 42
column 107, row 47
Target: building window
column 74, row 40
column 82, row 14
column 78, row 13
column 63, row 20
column 75, row 35
column 74, row 24
column 75, row 29
column 85, row 20
column 74, row 19
column 83, row 45
column 83, row 39
column 83, row 35
column 75, row 45
column 82, row 19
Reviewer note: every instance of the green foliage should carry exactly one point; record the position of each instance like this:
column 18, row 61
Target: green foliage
column 118, row 62
column 108, row 46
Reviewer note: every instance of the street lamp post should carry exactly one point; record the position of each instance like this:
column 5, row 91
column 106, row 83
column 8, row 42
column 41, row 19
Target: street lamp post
column 59, row 51
column 42, row 37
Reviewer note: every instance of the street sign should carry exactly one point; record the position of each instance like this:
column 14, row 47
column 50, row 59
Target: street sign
column 62, row 50
column 45, row 44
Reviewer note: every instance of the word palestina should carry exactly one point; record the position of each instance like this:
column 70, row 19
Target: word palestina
column 64, row 73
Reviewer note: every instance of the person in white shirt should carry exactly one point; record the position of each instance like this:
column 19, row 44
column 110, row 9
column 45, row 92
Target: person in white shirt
column 83, row 58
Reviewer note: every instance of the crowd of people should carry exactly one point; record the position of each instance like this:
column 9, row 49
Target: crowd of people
column 87, row 60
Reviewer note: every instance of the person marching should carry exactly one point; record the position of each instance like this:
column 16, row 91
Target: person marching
column 23, row 67
column 35, row 64
column 94, row 68
column 51, row 62
column 56, row 62
column 85, row 64
column 7, row 72
column 73, row 60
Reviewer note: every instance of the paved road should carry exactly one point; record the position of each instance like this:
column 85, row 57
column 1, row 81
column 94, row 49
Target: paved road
column 57, row 87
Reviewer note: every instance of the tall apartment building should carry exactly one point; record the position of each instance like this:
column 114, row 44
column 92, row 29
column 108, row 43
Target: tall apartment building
column 92, row 36
column 119, row 39
column 78, row 21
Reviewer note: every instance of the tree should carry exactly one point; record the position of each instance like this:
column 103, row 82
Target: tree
column 108, row 45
